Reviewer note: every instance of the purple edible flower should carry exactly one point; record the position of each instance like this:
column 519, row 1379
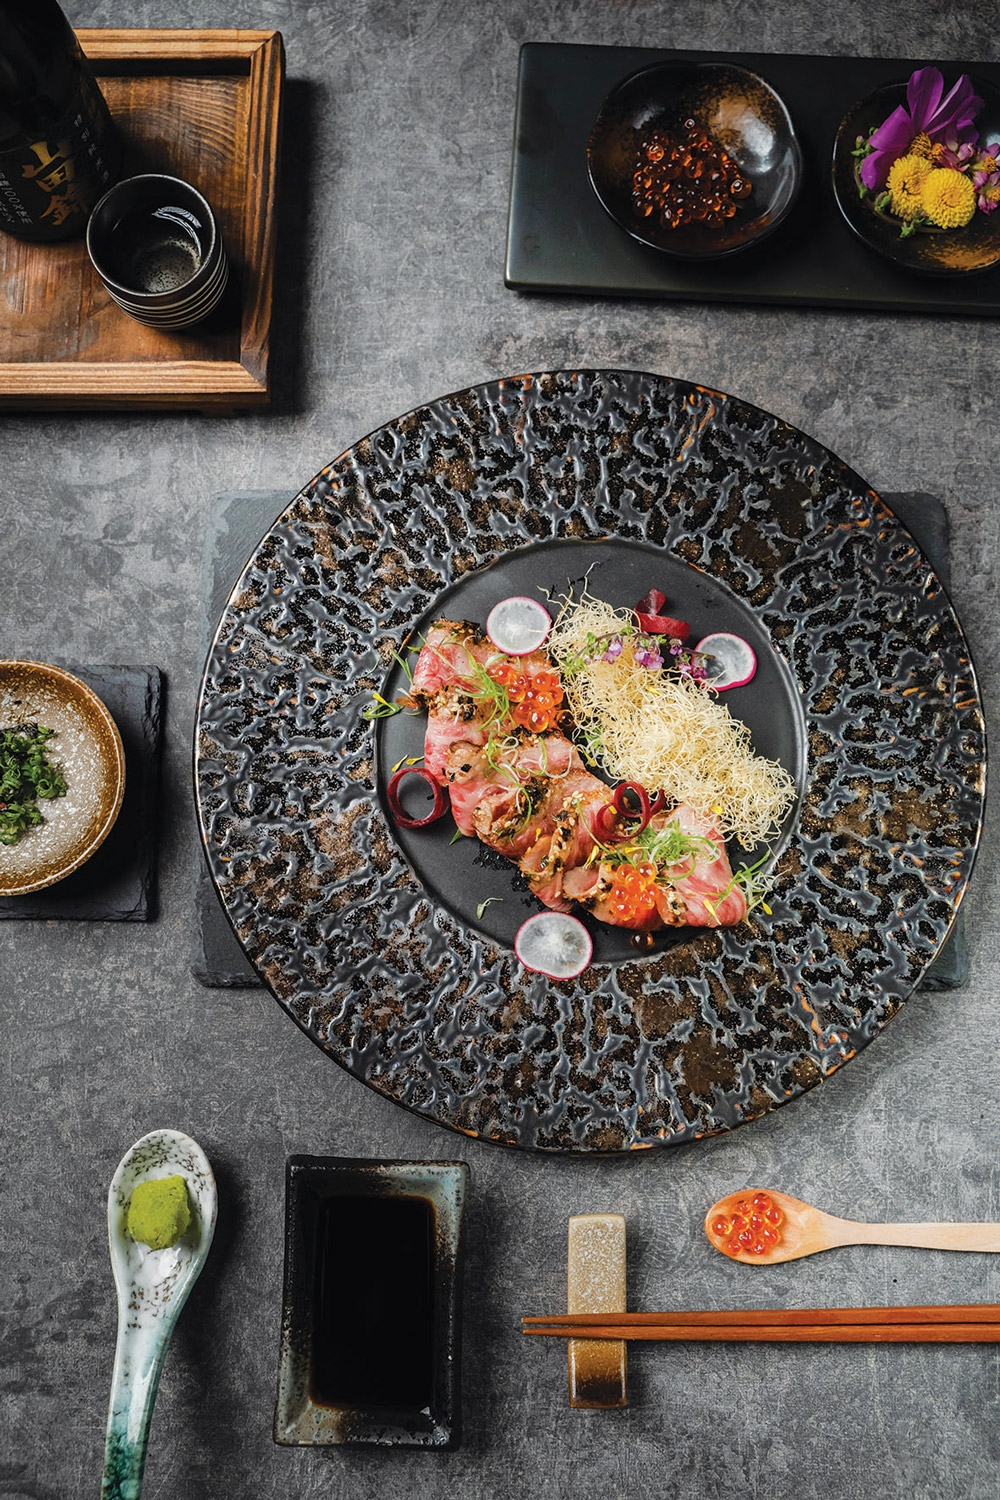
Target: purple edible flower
column 987, row 186
column 614, row 649
column 942, row 120
column 647, row 657
column 956, row 154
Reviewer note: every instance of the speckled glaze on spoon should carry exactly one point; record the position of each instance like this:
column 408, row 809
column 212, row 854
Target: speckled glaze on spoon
column 152, row 1288
column 796, row 1229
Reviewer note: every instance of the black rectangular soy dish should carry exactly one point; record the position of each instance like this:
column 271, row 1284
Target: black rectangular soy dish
column 370, row 1335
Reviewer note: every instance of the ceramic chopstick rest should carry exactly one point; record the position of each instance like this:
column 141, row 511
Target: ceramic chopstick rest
column 598, row 1370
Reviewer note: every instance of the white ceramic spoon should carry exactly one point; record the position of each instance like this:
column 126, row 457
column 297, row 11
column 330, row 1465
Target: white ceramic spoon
column 152, row 1288
column 801, row 1230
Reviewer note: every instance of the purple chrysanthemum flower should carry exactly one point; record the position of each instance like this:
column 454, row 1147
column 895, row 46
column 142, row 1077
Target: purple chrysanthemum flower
column 925, row 113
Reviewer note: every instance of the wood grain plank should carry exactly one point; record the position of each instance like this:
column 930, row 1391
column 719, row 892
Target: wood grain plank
column 260, row 207
column 112, row 45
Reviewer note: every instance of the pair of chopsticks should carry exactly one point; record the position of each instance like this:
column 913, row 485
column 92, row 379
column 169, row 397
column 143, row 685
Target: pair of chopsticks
column 822, row 1325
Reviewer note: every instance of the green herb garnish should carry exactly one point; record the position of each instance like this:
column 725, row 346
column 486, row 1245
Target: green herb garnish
column 26, row 774
column 484, row 904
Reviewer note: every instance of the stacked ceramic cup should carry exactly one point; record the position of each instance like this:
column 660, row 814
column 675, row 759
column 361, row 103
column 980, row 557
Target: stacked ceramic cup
column 156, row 246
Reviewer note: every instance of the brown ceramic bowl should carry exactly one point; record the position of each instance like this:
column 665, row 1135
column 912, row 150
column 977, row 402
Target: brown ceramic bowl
column 740, row 111
column 87, row 748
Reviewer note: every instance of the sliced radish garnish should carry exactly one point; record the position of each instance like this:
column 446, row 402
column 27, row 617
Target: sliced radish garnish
column 518, row 625
column 733, row 661
column 554, row 944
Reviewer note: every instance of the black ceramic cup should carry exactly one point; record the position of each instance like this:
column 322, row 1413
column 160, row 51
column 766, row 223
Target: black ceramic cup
column 156, row 246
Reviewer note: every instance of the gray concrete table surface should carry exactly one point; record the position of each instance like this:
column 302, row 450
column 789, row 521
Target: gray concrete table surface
column 393, row 218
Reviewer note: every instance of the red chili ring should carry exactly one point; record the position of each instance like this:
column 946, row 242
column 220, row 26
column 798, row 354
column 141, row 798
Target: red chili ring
column 441, row 798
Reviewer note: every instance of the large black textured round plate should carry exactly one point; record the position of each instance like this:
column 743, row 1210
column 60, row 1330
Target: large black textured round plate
column 866, row 693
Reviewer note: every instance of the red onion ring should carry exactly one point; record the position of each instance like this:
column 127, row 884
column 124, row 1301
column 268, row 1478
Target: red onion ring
column 611, row 817
column 441, row 798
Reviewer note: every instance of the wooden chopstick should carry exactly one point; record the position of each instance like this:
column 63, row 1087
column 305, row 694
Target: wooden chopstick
column 884, row 1325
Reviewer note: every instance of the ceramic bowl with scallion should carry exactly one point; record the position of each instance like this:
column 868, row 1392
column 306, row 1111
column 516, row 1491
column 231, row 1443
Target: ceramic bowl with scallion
column 62, row 775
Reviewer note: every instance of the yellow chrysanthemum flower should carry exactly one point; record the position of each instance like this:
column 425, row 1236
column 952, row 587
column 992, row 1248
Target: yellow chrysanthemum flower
column 948, row 198
column 907, row 176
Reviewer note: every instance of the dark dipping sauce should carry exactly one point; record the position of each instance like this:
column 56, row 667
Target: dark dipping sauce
column 686, row 177
column 155, row 250
column 373, row 1328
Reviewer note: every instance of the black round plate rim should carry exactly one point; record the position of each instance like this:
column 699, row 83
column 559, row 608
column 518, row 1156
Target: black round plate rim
column 676, row 65
column 858, row 214
column 207, row 780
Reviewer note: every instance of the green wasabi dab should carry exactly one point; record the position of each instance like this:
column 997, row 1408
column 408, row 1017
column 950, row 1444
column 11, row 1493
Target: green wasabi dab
column 159, row 1211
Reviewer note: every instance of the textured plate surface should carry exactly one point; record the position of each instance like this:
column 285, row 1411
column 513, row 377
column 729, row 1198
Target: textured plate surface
column 88, row 750
column 941, row 252
column 639, row 1051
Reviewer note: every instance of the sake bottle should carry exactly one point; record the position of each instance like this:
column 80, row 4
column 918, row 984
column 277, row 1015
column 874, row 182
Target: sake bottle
column 59, row 150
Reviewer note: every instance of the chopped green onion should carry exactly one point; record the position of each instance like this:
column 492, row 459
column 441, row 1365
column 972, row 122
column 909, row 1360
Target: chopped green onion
column 26, row 774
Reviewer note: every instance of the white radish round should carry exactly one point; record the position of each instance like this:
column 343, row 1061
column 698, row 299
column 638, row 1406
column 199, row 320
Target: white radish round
column 518, row 625
column 732, row 663
column 554, row 944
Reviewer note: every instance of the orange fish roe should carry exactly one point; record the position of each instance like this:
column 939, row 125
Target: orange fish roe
column 536, row 698
column 752, row 1228
column 631, row 894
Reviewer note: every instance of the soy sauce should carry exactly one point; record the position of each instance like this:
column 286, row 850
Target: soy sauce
column 373, row 1324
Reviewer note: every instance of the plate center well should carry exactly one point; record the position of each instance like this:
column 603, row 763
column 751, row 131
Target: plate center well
column 479, row 887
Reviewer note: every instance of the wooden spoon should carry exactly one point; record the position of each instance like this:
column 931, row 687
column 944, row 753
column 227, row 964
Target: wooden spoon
column 783, row 1228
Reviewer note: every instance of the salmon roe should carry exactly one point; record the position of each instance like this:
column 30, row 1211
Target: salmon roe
column 751, row 1228
column 536, row 698
column 631, row 895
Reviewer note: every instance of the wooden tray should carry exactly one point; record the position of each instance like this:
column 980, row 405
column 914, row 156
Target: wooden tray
column 202, row 105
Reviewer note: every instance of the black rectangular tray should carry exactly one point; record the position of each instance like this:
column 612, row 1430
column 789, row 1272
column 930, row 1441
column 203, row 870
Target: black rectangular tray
column 560, row 239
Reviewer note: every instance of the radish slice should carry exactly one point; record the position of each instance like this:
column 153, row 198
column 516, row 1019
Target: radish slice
column 518, row 625
column 733, row 660
column 554, row 944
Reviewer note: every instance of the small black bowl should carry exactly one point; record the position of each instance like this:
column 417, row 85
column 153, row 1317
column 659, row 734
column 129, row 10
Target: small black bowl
column 739, row 110
column 934, row 252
